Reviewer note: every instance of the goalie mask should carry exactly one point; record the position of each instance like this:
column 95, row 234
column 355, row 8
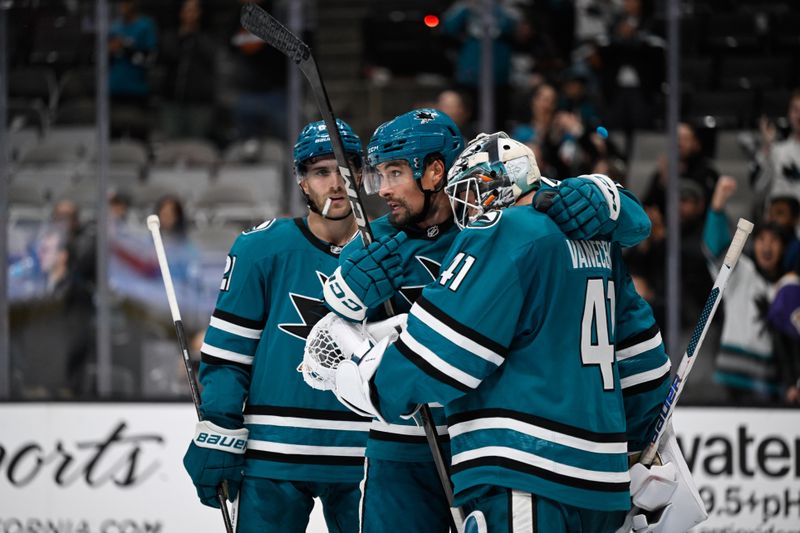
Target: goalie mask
column 491, row 173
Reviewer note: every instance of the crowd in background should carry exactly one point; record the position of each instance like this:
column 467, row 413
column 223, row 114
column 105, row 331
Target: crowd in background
column 574, row 80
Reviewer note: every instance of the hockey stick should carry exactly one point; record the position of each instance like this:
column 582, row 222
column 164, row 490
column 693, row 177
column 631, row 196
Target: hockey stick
column 743, row 229
column 154, row 225
column 264, row 26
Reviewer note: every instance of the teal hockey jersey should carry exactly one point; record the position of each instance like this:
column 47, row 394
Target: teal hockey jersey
column 422, row 255
column 517, row 339
column 269, row 300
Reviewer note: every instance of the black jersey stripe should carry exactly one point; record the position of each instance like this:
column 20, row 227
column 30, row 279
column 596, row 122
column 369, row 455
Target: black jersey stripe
column 639, row 338
column 460, row 328
column 545, row 423
column 646, row 386
column 303, row 412
column 238, row 320
column 525, row 468
column 298, row 458
column 405, row 439
column 428, row 368
column 212, row 360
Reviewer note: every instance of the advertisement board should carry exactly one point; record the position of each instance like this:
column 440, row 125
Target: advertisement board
column 116, row 468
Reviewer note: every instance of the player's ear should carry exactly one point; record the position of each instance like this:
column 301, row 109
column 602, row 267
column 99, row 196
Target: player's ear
column 434, row 175
column 303, row 185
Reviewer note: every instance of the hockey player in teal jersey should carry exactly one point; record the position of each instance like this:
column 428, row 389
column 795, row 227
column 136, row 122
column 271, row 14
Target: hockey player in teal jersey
column 288, row 442
column 407, row 161
column 549, row 365
column 414, row 150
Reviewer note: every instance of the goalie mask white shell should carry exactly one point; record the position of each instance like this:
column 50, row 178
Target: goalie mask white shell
column 491, row 173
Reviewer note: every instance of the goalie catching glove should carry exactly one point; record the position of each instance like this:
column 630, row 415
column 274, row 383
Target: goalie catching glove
column 333, row 340
column 365, row 279
column 583, row 207
column 664, row 497
column 216, row 458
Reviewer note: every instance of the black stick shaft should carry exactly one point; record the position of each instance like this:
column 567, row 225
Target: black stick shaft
column 264, row 26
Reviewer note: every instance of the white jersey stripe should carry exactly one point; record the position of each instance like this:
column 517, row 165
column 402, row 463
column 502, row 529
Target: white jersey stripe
column 522, row 512
column 399, row 429
column 227, row 354
column 306, row 423
column 439, row 363
column 455, row 337
column 642, row 347
column 235, row 329
column 305, row 449
column 541, row 462
column 537, row 432
column 643, row 377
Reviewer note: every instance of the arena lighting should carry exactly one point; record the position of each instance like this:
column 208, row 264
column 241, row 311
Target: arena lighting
column 431, row 21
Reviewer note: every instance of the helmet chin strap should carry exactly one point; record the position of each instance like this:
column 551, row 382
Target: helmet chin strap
column 313, row 207
column 426, row 206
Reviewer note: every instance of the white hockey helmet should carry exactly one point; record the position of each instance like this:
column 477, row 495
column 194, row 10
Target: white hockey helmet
column 491, row 173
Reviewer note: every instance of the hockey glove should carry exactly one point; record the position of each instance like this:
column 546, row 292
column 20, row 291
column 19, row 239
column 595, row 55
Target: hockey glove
column 354, row 388
column 665, row 497
column 583, row 207
column 216, row 456
column 365, row 279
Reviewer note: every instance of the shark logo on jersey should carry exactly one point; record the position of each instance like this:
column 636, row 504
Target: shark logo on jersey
column 309, row 309
column 486, row 220
column 426, row 116
column 412, row 292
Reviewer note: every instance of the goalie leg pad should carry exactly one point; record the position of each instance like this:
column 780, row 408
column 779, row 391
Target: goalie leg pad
column 684, row 508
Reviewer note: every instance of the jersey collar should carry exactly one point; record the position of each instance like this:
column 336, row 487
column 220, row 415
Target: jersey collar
column 431, row 233
column 331, row 249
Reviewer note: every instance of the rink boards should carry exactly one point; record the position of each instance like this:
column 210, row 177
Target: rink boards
column 116, row 468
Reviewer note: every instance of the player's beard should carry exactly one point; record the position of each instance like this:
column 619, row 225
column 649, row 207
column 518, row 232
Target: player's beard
column 334, row 213
column 402, row 216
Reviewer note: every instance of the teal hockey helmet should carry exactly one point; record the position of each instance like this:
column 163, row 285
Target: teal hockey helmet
column 491, row 173
column 314, row 141
column 412, row 137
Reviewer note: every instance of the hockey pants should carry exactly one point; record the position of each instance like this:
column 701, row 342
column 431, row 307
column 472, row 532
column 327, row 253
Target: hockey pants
column 267, row 505
column 499, row 509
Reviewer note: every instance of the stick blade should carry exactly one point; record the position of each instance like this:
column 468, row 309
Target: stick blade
column 264, row 26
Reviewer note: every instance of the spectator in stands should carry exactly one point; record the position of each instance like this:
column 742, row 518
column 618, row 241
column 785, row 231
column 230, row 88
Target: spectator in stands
column 784, row 210
column 693, row 165
column 784, row 319
column 52, row 335
column 746, row 363
column 132, row 44
column 649, row 258
column 458, row 106
column 259, row 73
column 779, row 161
column 464, row 21
column 181, row 252
column 81, row 238
column 575, row 97
column 189, row 55
column 563, row 146
column 632, row 68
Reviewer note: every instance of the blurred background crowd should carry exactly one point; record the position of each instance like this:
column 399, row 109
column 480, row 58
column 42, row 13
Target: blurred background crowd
column 200, row 136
